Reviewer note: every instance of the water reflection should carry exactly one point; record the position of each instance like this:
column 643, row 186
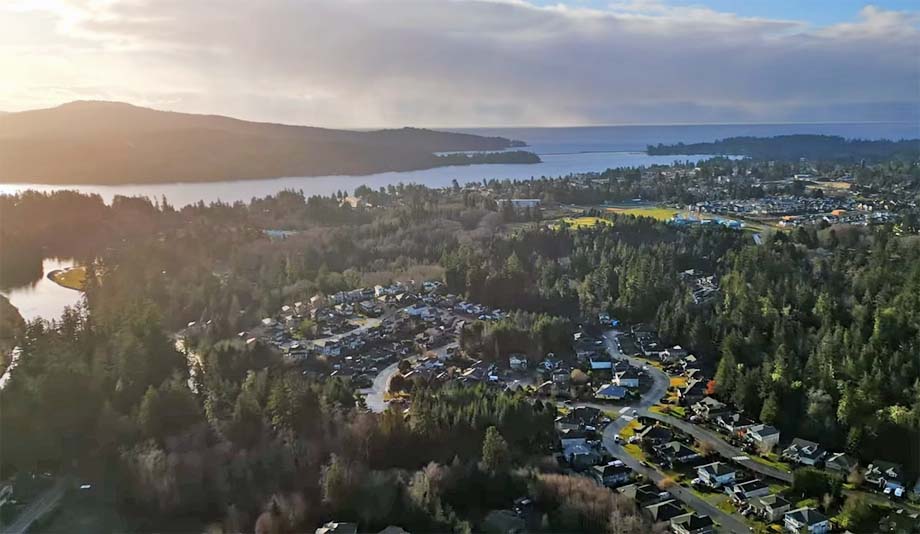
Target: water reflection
column 42, row 297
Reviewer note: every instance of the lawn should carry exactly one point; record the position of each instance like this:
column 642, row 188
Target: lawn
column 72, row 278
column 658, row 213
column 629, row 430
column 667, row 409
column 678, row 381
column 635, row 451
column 771, row 460
column 584, row 222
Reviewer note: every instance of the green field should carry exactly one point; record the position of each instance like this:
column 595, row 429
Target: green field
column 584, row 222
column 655, row 212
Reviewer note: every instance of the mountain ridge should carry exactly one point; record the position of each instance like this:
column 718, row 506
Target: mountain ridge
column 102, row 142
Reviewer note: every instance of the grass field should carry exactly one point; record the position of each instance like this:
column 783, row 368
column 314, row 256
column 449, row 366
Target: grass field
column 73, row 278
column 667, row 409
column 585, row 222
column 772, row 460
column 659, row 213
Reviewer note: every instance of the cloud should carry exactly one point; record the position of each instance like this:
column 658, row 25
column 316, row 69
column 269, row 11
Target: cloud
column 463, row 62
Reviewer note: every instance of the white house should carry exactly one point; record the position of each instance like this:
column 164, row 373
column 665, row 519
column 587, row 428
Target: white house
column 806, row 521
column 764, row 437
column 518, row 362
column 716, row 474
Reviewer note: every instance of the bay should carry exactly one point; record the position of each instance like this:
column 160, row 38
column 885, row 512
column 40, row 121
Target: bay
column 564, row 151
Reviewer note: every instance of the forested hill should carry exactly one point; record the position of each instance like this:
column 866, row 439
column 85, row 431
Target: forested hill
column 795, row 147
column 116, row 143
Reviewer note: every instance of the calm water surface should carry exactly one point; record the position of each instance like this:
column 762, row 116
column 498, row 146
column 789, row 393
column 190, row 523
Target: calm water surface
column 563, row 150
column 44, row 298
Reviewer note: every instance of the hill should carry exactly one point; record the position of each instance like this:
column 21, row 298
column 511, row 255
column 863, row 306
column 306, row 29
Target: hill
column 795, row 147
column 116, row 143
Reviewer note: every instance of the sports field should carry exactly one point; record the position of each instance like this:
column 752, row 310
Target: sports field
column 655, row 212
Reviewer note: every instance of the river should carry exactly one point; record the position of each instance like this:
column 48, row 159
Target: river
column 44, row 298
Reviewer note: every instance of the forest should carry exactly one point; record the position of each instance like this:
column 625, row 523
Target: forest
column 816, row 331
column 794, row 147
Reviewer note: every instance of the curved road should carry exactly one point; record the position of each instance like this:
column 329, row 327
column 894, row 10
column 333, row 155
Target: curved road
column 660, row 384
column 373, row 396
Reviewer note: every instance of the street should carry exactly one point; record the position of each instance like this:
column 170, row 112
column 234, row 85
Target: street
column 661, row 382
column 43, row 504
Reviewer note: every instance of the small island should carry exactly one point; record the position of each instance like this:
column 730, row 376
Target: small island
column 71, row 278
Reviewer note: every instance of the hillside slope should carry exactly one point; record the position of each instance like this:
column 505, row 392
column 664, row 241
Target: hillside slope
column 116, row 143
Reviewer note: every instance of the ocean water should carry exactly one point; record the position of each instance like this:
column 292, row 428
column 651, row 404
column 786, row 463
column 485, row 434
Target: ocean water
column 564, row 151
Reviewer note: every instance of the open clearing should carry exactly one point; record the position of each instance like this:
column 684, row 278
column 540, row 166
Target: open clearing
column 585, row 222
column 658, row 213
column 72, row 278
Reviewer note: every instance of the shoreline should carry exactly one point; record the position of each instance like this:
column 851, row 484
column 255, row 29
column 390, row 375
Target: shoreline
column 62, row 277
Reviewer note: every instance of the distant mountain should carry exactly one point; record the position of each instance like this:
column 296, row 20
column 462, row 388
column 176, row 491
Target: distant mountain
column 115, row 143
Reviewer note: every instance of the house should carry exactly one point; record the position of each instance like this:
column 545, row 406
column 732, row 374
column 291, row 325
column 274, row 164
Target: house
column 643, row 494
column 840, row 463
column 764, row 437
column 601, row 365
column 733, row 422
column 581, row 455
column 806, row 521
column 886, row 476
column 709, row 408
column 771, row 507
column 611, row 392
column 627, row 379
column 674, row 453
column 562, row 378
column 745, row 491
column 692, row 523
column 804, row 452
column 337, row 528
column 655, row 434
column 612, row 474
column 663, row 511
column 674, row 354
column 518, row 362
column 578, row 418
column 693, row 392
column 716, row 474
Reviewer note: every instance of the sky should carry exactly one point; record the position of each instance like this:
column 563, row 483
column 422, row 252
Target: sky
column 455, row 63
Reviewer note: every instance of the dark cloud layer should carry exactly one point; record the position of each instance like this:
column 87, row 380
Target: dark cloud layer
column 478, row 62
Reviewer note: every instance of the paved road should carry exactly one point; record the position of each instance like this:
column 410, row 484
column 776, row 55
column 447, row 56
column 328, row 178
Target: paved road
column 43, row 504
column 703, row 435
column 660, row 384
column 373, row 396
column 719, row 445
